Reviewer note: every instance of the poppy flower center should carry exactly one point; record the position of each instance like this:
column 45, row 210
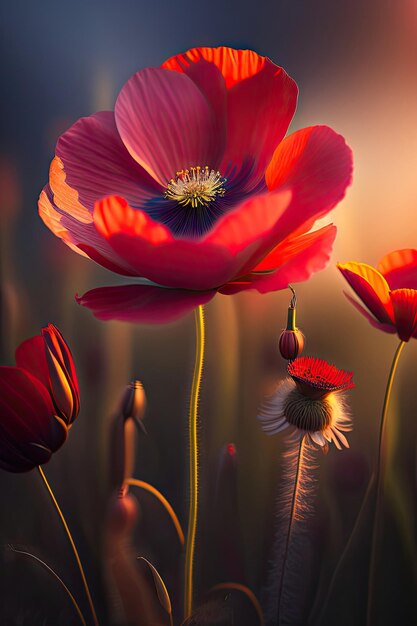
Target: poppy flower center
column 196, row 187
column 306, row 413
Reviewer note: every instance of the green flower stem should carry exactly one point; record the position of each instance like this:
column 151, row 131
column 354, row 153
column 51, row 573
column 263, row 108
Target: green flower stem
column 379, row 476
column 374, row 481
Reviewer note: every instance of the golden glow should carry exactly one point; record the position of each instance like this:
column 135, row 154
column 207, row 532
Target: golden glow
column 197, row 186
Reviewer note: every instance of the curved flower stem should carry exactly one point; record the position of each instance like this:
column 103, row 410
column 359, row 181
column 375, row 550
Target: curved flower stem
column 55, row 575
column 193, row 461
column 293, row 510
column 151, row 489
column 71, row 540
column 379, row 474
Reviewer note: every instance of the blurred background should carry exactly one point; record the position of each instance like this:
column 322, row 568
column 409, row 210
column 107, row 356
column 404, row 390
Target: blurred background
column 355, row 62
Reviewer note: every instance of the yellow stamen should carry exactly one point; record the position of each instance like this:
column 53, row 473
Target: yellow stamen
column 196, row 186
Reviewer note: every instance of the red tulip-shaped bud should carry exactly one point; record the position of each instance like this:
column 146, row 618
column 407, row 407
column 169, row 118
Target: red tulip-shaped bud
column 62, row 376
column 39, row 400
column 291, row 341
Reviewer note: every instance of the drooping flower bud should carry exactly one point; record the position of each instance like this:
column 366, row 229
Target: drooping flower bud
column 291, row 341
column 134, row 403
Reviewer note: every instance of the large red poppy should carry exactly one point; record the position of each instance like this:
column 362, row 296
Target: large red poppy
column 389, row 291
column 191, row 183
column 39, row 400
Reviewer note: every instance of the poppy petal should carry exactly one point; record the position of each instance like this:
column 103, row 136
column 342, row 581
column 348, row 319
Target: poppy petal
column 235, row 65
column 52, row 219
column 166, row 123
column 21, row 457
column 82, row 237
column 405, row 312
column 316, row 164
column 64, row 196
column 30, row 355
column 26, row 409
column 152, row 251
column 386, row 328
column 202, row 264
column 371, row 287
column 142, row 304
column 97, row 164
column 293, row 246
column 63, row 376
column 59, row 346
column 297, row 260
column 263, row 105
column 400, row 269
column 211, row 83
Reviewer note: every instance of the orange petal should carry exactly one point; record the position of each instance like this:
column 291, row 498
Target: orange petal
column 292, row 246
column 235, row 65
column 316, row 164
column 113, row 214
column 305, row 255
column 371, row 287
column 400, row 269
column 52, row 219
column 405, row 311
column 65, row 197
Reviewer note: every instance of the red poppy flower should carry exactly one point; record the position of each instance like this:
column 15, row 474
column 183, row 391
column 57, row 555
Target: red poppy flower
column 191, row 183
column 389, row 292
column 39, row 400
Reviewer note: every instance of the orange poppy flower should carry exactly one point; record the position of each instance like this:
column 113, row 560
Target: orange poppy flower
column 389, row 291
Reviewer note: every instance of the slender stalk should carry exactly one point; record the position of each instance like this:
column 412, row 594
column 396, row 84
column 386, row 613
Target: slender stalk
column 379, row 474
column 343, row 556
column 290, row 523
column 58, row 578
column 374, row 481
column 147, row 487
column 71, row 540
column 193, row 461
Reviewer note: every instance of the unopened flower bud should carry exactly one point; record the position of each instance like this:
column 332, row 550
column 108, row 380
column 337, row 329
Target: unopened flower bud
column 134, row 403
column 62, row 376
column 123, row 434
column 291, row 341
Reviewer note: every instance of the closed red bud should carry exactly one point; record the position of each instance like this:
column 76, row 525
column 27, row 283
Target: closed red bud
column 291, row 344
column 291, row 341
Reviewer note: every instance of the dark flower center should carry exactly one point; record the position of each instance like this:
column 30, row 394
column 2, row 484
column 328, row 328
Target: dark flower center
column 307, row 414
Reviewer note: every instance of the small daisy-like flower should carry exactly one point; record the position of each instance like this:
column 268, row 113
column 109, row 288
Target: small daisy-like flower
column 311, row 401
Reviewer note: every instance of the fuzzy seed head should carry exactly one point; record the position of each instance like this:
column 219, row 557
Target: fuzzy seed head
column 307, row 414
